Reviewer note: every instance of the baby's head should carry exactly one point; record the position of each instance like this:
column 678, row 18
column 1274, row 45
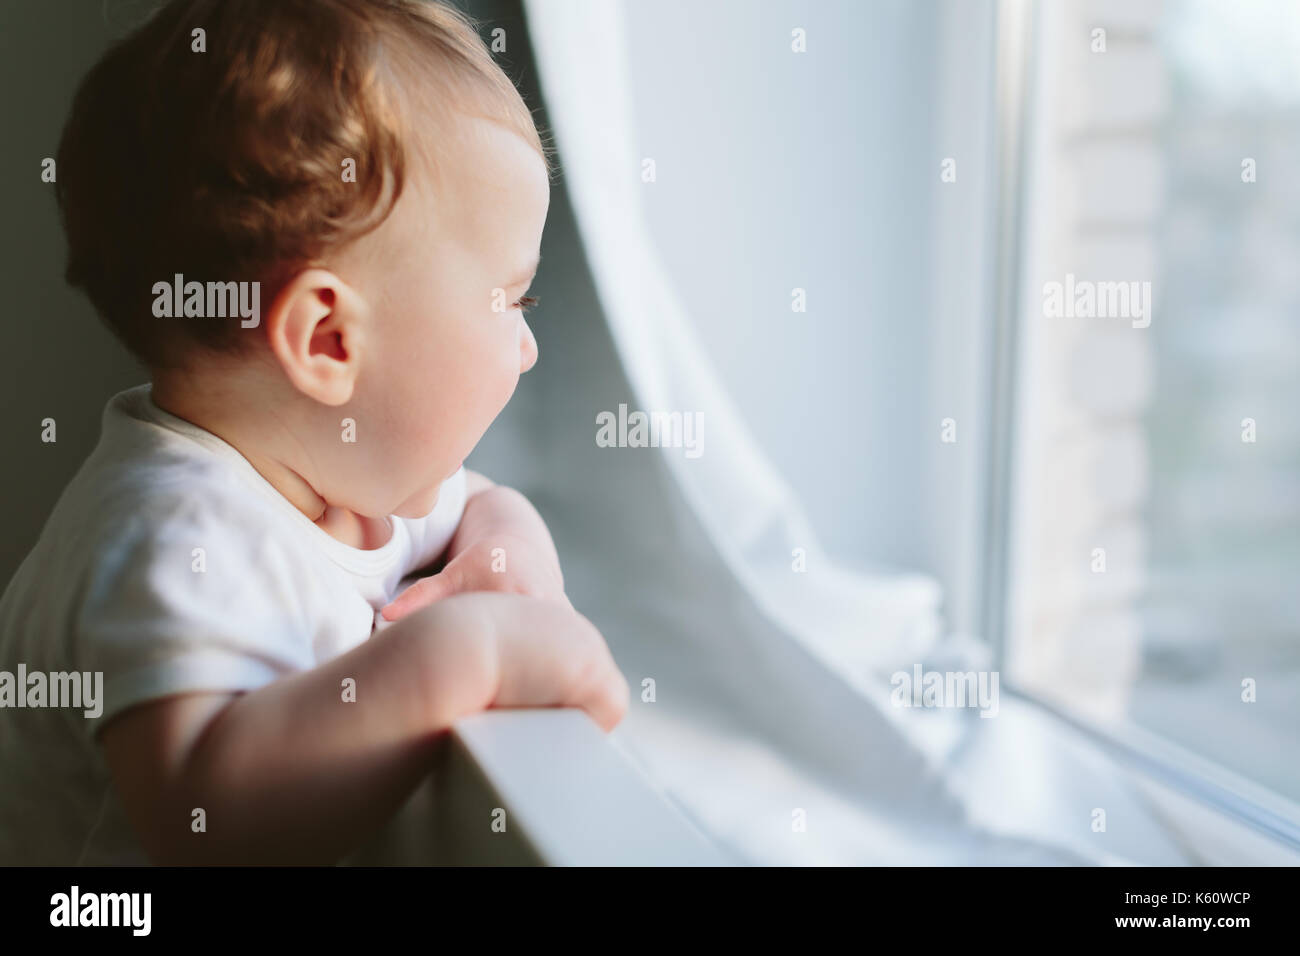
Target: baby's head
column 370, row 166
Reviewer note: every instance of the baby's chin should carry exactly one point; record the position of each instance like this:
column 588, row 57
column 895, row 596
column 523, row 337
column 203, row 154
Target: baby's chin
column 419, row 505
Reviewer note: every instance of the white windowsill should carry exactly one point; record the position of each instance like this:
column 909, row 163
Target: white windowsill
column 1027, row 773
column 530, row 787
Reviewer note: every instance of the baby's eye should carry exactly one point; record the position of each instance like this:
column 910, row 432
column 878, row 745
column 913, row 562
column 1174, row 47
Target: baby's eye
column 526, row 302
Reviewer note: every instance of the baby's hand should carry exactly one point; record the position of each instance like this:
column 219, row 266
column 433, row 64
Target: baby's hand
column 499, row 563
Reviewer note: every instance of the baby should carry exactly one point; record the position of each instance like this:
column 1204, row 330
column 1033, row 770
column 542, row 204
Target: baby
column 234, row 555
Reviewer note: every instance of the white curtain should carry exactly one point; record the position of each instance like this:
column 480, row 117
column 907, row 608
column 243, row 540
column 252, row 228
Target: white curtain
column 766, row 704
column 752, row 517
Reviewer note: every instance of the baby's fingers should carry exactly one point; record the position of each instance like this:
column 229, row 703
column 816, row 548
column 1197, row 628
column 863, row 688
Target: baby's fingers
column 420, row 594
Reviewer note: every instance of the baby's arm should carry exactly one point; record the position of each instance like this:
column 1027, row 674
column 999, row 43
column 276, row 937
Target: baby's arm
column 290, row 773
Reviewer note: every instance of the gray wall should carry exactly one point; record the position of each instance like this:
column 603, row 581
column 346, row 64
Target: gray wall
column 60, row 362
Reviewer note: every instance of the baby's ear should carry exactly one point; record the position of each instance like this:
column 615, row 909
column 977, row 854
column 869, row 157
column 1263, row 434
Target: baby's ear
column 316, row 330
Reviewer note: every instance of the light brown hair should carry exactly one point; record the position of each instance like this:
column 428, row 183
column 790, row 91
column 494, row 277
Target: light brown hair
column 228, row 164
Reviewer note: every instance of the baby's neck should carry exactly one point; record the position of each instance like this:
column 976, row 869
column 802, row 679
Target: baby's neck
column 219, row 416
column 354, row 530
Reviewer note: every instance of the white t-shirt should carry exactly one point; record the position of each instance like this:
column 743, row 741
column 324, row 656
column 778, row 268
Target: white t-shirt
column 170, row 565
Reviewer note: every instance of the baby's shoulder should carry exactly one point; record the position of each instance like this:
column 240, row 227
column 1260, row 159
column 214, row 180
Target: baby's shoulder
column 151, row 546
column 125, row 517
column 156, row 497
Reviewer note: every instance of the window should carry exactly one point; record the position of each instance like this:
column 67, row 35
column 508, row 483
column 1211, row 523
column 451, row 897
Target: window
column 1155, row 517
column 942, row 202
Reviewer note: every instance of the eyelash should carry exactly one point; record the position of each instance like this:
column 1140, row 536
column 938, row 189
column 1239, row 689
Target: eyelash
column 526, row 302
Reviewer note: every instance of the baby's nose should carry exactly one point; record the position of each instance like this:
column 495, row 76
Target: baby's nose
column 527, row 347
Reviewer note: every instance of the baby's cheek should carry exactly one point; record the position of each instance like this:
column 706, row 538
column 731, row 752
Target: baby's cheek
column 500, row 376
